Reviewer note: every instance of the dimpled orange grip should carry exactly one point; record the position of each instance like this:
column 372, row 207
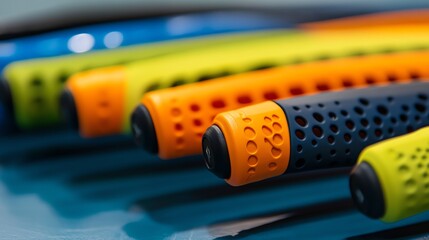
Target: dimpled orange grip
column 261, row 161
column 411, row 17
column 100, row 105
column 187, row 111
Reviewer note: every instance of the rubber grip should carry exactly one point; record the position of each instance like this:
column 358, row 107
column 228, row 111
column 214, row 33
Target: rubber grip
column 330, row 130
column 404, row 17
column 283, row 49
column 36, row 84
column 401, row 168
column 198, row 103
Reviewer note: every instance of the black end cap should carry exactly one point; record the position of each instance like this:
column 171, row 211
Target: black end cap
column 6, row 96
column 366, row 191
column 68, row 109
column 215, row 152
column 143, row 129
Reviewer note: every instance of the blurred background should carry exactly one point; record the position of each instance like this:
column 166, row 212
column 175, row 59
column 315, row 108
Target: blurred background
column 54, row 184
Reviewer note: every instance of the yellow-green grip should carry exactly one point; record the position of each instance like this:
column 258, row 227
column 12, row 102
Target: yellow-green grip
column 391, row 180
column 192, row 66
column 35, row 85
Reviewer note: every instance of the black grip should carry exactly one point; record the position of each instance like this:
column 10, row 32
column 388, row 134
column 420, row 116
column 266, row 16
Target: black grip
column 331, row 129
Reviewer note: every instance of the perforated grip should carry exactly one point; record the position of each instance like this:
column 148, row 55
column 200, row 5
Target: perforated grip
column 330, row 129
column 198, row 103
column 401, row 167
column 286, row 48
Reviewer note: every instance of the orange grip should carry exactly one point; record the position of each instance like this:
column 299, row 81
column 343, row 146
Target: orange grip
column 406, row 17
column 180, row 115
column 103, row 95
column 261, row 161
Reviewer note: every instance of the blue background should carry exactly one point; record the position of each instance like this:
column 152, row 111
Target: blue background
column 53, row 185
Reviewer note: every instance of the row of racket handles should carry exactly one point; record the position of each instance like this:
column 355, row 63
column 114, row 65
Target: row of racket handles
column 390, row 181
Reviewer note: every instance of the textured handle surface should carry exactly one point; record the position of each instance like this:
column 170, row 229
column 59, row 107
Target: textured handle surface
column 198, row 103
column 36, row 84
column 402, row 168
column 318, row 131
column 331, row 129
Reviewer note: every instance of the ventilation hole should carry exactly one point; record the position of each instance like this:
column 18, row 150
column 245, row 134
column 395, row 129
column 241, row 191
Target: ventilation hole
column 331, row 139
column 336, row 102
column 364, row 101
column 392, row 77
column 420, row 107
column 307, row 106
column 270, row 95
column 321, row 105
column 405, row 108
column 350, row 124
column 377, row 121
column 417, row 119
column 369, row 80
column 318, row 157
column 244, row 99
column 359, row 110
column 63, row 77
column 197, row 122
column 332, row 115
column 151, row 88
column 347, row 151
column 314, row 143
column 263, row 66
column 322, row 87
column 299, row 148
column 422, row 96
column 301, row 121
column 378, row 132
column 300, row 134
column 296, row 108
column 364, row 122
column 362, row 134
column 344, row 113
column 334, row 128
column 36, row 82
column 318, row 117
column 296, row 91
column 178, row 82
column 204, row 77
column 403, row 117
column 224, row 73
column 38, row 100
column 333, row 152
column 347, row 137
column 390, row 131
column 409, row 128
column 389, row 99
column 218, row 103
column 347, row 83
column 317, row 131
column 178, row 127
column 300, row 163
column 104, row 104
column 393, row 120
column 414, row 75
column 382, row 110
column 195, row 108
